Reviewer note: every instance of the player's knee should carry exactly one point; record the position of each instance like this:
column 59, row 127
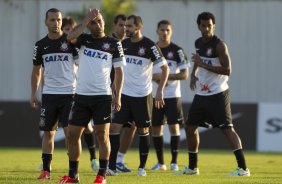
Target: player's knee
column 102, row 135
column 191, row 130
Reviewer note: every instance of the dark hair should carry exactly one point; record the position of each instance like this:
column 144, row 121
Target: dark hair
column 166, row 22
column 137, row 20
column 52, row 10
column 119, row 16
column 68, row 21
column 205, row 16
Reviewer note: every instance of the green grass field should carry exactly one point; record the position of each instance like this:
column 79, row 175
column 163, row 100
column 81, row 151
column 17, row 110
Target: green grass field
column 19, row 166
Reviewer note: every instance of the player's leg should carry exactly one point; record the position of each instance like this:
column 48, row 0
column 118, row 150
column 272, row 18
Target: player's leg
column 157, row 135
column 142, row 113
column 48, row 124
column 90, row 142
column 175, row 119
column 223, row 119
column 119, row 119
column 126, row 138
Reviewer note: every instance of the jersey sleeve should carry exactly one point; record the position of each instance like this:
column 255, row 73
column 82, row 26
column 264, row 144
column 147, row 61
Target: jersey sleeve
column 157, row 56
column 118, row 56
column 183, row 62
column 80, row 40
column 37, row 56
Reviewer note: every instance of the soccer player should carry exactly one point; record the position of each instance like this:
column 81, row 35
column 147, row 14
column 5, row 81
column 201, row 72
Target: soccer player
column 211, row 103
column 172, row 110
column 93, row 95
column 141, row 54
column 129, row 128
column 68, row 24
column 54, row 55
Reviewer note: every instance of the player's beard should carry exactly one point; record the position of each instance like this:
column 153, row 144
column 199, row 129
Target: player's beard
column 129, row 34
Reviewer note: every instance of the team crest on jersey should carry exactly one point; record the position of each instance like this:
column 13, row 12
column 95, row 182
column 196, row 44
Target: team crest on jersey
column 64, row 46
column 106, row 46
column 141, row 51
column 209, row 52
column 170, row 55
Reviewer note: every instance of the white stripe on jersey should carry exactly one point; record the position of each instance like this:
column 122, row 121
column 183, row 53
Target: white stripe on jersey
column 93, row 77
column 59, row 73
column 172, row 90
column 138, row 75
column 210, row 83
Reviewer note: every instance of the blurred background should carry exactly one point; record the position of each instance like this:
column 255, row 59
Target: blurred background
column 251, row 29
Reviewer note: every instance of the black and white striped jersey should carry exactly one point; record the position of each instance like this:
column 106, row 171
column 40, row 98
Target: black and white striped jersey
column 140, row 57
column 176, row 60
column 209, row 83
column 96, row 58
column 56, row 57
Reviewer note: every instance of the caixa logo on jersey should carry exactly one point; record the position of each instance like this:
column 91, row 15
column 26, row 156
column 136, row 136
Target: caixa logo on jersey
column 95, row 54
column 134, row 61
column 56, row 57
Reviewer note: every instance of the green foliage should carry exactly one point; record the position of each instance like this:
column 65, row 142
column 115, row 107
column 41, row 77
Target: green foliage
column 19, row 166
column 110, row 8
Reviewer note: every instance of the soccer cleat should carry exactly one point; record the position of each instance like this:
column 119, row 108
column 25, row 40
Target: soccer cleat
column 122, row 167
column 174, row 167
column 94, row 164
column 142, row 172
column 241, row 172
column 110, row 172
column 67, row 179
column 99, row 180
column 159, row 166
column 188, row 171
column 45, row 175
column 40, row 167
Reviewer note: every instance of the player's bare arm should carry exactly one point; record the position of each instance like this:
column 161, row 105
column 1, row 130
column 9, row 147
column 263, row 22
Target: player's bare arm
column 224, row 59
column 118, row 82
column 35, row 82
column 74, row 34
column 159, row 100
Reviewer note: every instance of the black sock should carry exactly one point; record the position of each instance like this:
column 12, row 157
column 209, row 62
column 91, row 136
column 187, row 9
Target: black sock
column 240, row 159
column 193, row 160
column 144, row 145
column 46, row 159
column 73, row 169
column 89, row 140
column 114, row 139
column 159, row 147
column 103, row 167
column 174, row 147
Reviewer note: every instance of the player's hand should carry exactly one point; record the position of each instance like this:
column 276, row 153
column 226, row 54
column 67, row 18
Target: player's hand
column 117, row 103
column 34, row 102
column 90, row 15
column 159, row 100
column 193, row 81
column 197, row 59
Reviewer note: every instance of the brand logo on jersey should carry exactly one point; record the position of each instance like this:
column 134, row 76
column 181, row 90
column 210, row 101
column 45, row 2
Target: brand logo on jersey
column 205, row 87
column 120, row 50
column 170, row 55
column 141, row 51
column 106, row 46
column 95, row 54
column 64, row 46
column 207, row 61
column 156, row 52
column 181, row 55
column 134, row 61
column 35, row 52
column 56, row 58
column 209, row 52
column 45, row 47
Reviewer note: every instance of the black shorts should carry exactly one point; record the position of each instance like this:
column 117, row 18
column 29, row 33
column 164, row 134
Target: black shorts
column 55, row 108
column 84, row 108
column 137, row 109
column 211, row 111
column 172, row 112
